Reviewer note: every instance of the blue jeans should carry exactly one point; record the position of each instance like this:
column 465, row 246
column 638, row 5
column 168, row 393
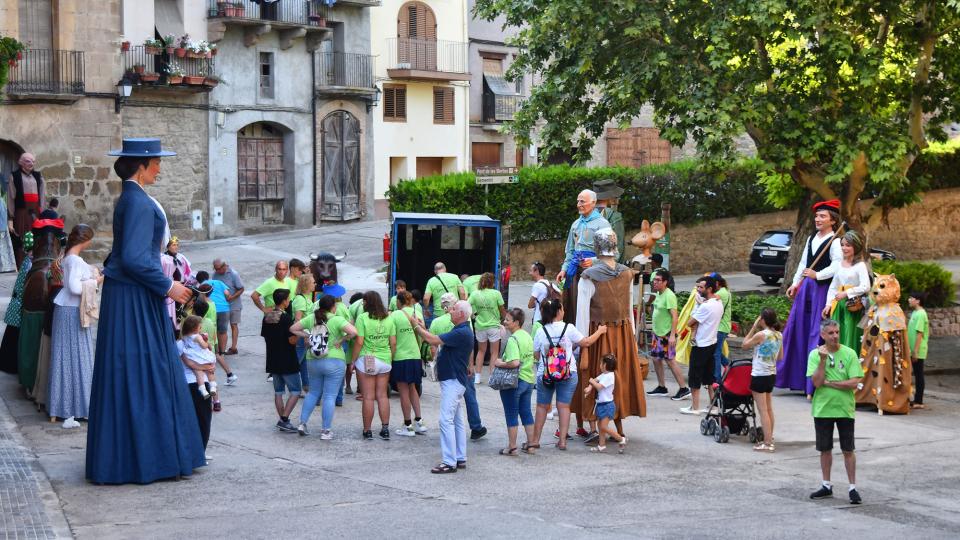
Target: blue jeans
column 473, row 408
column 516, row 402
column 301, row 355
column 453, row 435
column 327, row 376
column 718, row 358
column 564, row 390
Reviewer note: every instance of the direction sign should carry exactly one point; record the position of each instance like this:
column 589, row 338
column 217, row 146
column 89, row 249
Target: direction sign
column 497, row 175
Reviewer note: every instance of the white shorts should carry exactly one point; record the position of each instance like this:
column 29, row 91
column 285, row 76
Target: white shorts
column 380, row 367
column 488, row 334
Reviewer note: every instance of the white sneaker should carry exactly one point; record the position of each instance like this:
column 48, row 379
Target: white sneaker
column 269, row 378
column 418, row 427
column 552, row 414
column 213, row 387
column 476, row 378
column 208, row 457
column 406, row 431
column 70, row 423
column 689, row 410
column 203, row 392
column 232, row 380
column 326, row 435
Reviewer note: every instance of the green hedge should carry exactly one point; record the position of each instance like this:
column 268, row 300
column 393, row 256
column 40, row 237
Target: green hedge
column 747, row 307
column 930, row 278
column 542, row 204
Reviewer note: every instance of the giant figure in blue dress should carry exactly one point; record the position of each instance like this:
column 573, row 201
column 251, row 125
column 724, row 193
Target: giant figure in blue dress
column 142, row 424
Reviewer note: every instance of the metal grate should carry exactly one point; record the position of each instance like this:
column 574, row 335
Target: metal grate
column 47, row 71
column 345, row 70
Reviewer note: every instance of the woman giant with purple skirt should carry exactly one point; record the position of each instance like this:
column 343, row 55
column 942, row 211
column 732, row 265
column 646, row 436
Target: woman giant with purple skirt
column 821, row 257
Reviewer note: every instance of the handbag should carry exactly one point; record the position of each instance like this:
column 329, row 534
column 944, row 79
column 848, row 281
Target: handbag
column 504, row 378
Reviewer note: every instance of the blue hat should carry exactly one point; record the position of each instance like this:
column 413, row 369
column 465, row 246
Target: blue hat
column 141, row 148
column 336, row 290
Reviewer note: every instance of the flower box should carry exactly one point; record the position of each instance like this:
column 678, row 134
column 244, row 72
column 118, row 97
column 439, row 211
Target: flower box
column 124, row 46
column 149, row 49
column 139, row 68
column 210, row 82
column 174, row 79
column 193, row 79
column 149, row 77
column 181, row 52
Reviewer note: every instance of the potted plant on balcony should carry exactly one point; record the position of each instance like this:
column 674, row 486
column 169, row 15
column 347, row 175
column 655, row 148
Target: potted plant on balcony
column 169, row 43
column 174, row 74
column 152, row 46
column 213, row 80
column 238, row 9
column 139, row 68
column 182, row 44
column 11, row 52
column 149, row 77
column 124, row 46
column 222, row 8
column 213, row 49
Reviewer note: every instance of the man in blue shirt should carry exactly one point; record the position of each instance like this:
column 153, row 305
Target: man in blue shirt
column 452, row 362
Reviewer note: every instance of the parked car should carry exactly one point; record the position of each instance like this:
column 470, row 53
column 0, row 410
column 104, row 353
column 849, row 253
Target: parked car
column 768, row 258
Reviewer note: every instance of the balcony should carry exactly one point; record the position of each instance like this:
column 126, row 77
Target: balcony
column 418, row 59
column 498, row 108
column 191, row 73
column 345, row 75
column 48, row 73
column 293, row 19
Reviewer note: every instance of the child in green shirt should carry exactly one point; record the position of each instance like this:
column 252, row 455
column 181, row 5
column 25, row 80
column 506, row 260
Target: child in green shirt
column 918, row 334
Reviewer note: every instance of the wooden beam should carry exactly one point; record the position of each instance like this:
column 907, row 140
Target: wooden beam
column 251, row 34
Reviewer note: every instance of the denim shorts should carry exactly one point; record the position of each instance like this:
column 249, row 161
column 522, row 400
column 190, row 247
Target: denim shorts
column 290, row 381
column 607, row 409
column 564, row 390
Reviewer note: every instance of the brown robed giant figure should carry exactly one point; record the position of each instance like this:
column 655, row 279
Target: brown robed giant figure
column 605, row 296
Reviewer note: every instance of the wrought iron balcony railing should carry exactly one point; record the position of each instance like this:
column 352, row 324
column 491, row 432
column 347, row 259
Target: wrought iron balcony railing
column 497, row 108
column 297, row 12
column 345, row 70
column 427, row 56
column 47, row 71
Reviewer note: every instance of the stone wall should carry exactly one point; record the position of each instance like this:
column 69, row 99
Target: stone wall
column 182, row 185
column 929, row 229
column 944, row 321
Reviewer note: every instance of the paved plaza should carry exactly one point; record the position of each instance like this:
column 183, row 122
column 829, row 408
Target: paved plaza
column 671, row 482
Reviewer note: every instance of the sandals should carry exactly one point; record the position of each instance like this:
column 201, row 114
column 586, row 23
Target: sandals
column 917, row 406
column 622, row 444
column 231, row 350
column 763, row 447
column 527, row 447
column 564, row 447
column 512, row 452
column 599, row 449
column 443, row 468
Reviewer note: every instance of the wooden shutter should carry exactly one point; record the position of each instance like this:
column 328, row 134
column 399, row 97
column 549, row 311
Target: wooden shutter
column 416, row 20
column 493, row 66
column 443, row 105
column 394, row 103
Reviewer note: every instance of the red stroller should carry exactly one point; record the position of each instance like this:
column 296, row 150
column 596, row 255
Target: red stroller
column 731, row 410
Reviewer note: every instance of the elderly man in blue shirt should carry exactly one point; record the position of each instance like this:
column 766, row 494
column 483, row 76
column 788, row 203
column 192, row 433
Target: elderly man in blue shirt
column 578, row 253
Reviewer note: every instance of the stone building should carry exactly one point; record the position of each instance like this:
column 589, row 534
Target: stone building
column 421, row 121
column 59, row 102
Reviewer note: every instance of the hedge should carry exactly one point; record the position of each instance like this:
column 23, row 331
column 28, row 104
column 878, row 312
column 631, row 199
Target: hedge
column 930, row 278
column 747, row 307
column 543, row 203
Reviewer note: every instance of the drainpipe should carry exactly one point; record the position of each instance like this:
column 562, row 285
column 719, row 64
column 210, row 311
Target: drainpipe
column 313, row 128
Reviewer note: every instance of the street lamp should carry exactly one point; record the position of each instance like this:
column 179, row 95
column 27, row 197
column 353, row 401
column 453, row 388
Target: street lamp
column 374, row 99
column 124, row 89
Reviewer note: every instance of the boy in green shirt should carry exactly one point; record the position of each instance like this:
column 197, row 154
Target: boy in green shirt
column 835, row 371
column 442, row 282
column 918, row 334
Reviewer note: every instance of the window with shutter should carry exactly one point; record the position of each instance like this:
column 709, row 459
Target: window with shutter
column 443, row 105
column 394, row 103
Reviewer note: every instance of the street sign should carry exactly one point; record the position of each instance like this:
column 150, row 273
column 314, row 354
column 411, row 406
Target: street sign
column 497, row 175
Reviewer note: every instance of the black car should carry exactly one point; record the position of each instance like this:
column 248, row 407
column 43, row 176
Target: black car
column 768, row 258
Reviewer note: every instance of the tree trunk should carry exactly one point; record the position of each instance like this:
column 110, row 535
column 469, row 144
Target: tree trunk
column 802, row 230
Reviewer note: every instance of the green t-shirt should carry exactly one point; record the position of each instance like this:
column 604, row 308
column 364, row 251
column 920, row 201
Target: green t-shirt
column 392, row 306
column 335, row 335
column 727, row 300
column 472, row 283
column 486, row 307
column 210, row 329
column 536, row 327
column 441, row 325
column 356, row 309
column 342, row 310
column 376, row 337
column 271, row 284
column 662, row 318
column 440, row 284
column 919, row 323
column 520, row 347
column 408, row 348
column 301, row 303
column 832, row 402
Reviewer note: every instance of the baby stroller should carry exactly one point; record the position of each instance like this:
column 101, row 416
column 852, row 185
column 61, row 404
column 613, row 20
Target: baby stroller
column 731, row 410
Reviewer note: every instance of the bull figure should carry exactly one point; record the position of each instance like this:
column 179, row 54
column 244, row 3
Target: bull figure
column 323, row 266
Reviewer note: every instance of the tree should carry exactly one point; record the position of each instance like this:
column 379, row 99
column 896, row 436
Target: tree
column 838, row 97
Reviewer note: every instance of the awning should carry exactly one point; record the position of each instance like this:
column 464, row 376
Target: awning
column 498, row 85
column 168, row 19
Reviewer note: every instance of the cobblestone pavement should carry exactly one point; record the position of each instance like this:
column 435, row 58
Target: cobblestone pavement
column 28, row 506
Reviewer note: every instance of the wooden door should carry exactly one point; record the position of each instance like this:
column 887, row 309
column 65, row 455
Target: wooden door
column 429, row 166
column 484, row 154
column 417, row 36
column 635, row 147
column 340, row 196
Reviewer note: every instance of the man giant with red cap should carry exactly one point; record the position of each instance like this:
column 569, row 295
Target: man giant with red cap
column 819, row 262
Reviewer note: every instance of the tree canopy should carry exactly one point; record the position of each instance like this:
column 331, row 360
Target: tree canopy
column 839, row 97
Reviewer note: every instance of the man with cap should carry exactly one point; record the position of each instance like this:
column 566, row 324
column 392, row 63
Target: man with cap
column 608, row 195
column 25, row 198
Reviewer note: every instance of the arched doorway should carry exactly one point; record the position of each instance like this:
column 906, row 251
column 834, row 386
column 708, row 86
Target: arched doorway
column 340, row 196
column 9, row 154
column 261, row 173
